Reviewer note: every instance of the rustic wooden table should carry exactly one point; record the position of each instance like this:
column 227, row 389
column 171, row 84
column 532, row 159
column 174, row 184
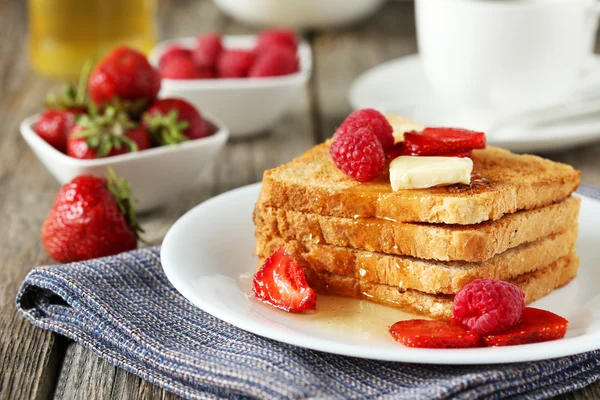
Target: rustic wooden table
column 35, row 363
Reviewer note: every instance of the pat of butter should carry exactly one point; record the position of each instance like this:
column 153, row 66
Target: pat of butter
column 417, row 172
column 401, row 125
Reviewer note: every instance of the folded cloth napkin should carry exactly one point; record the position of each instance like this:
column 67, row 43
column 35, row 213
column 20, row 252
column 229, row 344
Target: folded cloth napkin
column 124, row 309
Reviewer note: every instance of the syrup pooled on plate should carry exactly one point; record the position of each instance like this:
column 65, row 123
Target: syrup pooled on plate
column 359, row 319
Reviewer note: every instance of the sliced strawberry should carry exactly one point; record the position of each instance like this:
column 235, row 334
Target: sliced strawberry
column 281, row 283
column 396, row 150
column 442, row 141
column 433, row 334
column 477, row 138
column 461, row 154
column 400, row 149
column 536, row 326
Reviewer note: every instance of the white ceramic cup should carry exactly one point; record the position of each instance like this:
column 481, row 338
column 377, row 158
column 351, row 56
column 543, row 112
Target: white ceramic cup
column 506, row 54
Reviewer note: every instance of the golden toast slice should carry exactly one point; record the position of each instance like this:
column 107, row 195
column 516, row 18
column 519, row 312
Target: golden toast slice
column 417, row 274
column 502, row 183
column 472, row 243
column 535, row 285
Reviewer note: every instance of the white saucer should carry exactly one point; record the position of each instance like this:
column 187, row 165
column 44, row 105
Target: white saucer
column 400, row 87
column 207, row 256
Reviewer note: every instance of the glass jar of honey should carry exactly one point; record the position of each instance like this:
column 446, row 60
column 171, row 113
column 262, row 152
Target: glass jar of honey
column 64, row 33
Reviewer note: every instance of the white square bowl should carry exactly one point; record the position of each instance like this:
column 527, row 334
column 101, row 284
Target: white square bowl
column 156, row 175
column 245, row 105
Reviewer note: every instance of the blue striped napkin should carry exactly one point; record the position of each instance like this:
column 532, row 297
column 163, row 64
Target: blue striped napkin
column 124, row 309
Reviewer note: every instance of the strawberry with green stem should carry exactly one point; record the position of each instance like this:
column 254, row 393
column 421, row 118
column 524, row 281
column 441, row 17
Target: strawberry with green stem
column 126, row 76
column 108, row 134
column 91, row 217
column 74, row 99
column 172, row 121
column 59, row 118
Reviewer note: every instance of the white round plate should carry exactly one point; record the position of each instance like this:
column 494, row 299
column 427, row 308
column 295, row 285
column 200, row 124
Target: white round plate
column 207, row 256
column 400, row 87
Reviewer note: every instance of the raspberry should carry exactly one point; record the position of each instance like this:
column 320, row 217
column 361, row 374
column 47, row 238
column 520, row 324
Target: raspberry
column 274, row 62
column 207, row 50
column 235, row 63
column 488, row 306
column 277, row 37
column 358, row 154
column 179, row 68
column 173, row 52
column 369, row 118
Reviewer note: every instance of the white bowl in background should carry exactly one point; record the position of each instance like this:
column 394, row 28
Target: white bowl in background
column 245, row 105
column 299, row 14
column 156, row 175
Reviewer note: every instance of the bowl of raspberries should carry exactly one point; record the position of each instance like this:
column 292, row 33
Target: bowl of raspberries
column 115, row 118
column 247, row 81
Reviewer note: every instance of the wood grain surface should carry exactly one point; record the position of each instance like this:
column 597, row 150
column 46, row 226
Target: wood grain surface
column 38, row 364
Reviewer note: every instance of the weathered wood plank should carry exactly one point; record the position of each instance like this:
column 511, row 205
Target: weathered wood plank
column 342, row 55
column 29, row 357
column 591, row 392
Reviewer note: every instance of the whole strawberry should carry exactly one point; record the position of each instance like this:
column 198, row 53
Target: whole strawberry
column 180, row 68
column 104, row 135
column 172, row 121
column 124, row 75
column 54, row 127
column 173, row 52
column 57, row 121
column 91, row 217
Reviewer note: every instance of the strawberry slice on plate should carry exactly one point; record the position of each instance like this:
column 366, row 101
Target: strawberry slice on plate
column 443, row 141
column 281, row 283
column 433, row 334
column 400, row 149
column 536, row 326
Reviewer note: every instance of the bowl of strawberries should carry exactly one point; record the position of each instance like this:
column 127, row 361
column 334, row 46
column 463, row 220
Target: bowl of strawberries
column 247, row 81
column 115, row 119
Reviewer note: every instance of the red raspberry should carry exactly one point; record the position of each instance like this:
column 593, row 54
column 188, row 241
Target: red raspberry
column 274, row 62
column 358, row 154
column 207, row 50
column 173, row 52
column 235, row 63
column 277, row 37
column 488, row 306
column 372, row 119
column 179, row 68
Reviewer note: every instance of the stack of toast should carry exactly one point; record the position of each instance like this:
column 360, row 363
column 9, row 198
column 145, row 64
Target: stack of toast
column 414, row 249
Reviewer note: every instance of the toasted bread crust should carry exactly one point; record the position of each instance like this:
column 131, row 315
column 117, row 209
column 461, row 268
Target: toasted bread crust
column 535, row 285
column 473, row 243
column 503, row 183
column 412, row 273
